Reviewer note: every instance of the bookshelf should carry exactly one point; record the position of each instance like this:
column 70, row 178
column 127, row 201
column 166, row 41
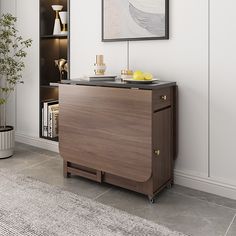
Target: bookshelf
column 52, row 47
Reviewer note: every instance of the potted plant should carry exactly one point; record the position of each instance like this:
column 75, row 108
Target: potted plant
column 12, row 54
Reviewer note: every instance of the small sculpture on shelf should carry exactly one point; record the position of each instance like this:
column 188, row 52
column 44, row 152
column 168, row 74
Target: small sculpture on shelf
column 99, row 66
column 127, row 73
column 62, row 66
column 57, row 24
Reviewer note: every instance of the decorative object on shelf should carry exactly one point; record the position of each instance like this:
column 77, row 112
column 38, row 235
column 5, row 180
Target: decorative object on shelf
column 99, row 66
column 132, row 81
column 135, row 20
column 62, row 65
column 57, row 24
column 13, row 51
column 63, row 17
column 102, row 78
column 127, row 73
column 141, row 78
column 50, row 113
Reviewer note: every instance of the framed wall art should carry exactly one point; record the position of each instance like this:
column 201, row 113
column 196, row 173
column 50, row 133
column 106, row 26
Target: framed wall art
column 127, row 20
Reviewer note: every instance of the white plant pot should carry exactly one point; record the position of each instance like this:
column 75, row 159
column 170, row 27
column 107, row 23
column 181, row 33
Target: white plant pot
column 7, row 142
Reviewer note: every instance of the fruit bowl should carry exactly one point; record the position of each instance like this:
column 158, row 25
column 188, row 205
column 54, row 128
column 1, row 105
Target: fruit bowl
column 141, row 78
column 133, row 81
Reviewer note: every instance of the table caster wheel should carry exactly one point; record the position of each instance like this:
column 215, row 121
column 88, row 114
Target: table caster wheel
column 169, row 186
column 152, row 200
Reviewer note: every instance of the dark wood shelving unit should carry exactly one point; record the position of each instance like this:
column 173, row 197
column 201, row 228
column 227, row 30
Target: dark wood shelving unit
column 52, row 47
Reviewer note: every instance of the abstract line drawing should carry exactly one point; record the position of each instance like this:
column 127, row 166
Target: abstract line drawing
column 135, row 19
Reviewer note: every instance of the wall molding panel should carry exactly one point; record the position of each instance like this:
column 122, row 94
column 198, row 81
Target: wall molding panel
column 205, row 184
column 37, row 142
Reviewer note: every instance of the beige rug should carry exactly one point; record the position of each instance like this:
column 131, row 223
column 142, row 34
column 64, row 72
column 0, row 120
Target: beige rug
column 31, row 208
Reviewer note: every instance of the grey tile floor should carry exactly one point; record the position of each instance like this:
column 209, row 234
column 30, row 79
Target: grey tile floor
column 189, row 211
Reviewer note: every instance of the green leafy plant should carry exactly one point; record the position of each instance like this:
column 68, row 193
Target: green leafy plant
column 12, row 53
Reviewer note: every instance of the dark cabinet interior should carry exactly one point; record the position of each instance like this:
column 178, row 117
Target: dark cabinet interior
column 52, row 47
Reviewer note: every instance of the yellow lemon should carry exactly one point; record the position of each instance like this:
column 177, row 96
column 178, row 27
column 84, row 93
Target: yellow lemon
column 148, row 76
column 138, row 75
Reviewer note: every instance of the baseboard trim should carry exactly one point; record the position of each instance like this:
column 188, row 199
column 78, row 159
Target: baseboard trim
column 37, row 142
column 205, row 184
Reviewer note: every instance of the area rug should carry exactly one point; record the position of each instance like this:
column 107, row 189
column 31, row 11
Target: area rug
column 32, row 208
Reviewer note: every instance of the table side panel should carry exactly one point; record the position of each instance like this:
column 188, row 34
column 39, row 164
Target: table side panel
column 107, row 129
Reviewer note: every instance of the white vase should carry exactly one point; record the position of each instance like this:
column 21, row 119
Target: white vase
column 63, row 17
column 57, row 27
column 57, row 24
column 7, row 142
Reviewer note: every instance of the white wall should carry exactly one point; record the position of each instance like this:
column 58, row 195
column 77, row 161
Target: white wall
column 24, row 105
column 25, row 100
column 223, row 91
column 28, row 94
column 86, row 40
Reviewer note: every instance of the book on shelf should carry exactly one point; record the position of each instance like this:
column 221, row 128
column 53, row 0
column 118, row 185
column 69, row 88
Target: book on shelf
column 92, row 78
column 102, row 78
column 55, row 121
column 53, row 111
column 50, row 113
column 53, row 84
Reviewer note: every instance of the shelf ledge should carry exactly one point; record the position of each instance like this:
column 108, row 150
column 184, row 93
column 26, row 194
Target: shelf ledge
column 54, row 36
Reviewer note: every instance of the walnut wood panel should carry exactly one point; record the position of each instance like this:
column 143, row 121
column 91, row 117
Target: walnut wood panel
column 95, row 177
column 107, row 129
column 162, row 141
column 140, row 187
column 161, row 98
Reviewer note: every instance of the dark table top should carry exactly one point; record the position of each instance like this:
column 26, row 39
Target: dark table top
column 117, row 84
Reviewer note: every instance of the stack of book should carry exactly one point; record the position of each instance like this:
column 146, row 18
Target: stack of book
column 50, row 115
column 102, row 78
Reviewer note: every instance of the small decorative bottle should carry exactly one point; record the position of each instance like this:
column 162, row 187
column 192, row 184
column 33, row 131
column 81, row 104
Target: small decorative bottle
column 126, row 74
column 99, row 66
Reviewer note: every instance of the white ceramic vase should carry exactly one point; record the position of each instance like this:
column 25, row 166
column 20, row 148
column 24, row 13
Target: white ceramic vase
column 63, row 17
column 57, row 24
column 7, row 142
